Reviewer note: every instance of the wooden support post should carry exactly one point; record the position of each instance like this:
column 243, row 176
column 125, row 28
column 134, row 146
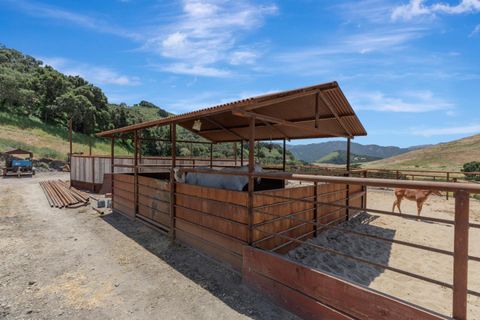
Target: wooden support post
column 284, row 159
column 347, row 201
column 364, row 202
column 251, row 180
column 135, row 172
column 93, row 174
column 90, row 146
column 460, row 255
column 70, row 130
column 241, row 153
column 173, row 140
column 112, row 164
column 315, row 208
column 349, row 143
column 448, row 180
column 211, row 155
column 235, row 153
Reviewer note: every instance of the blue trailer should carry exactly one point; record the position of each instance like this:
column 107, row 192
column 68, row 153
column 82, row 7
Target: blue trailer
column 16, row 166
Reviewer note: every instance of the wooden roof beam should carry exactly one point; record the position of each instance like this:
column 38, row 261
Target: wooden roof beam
column 335, row 113
column 262, row 117
column 319, row 119
column 223, row 128
column 276, row 129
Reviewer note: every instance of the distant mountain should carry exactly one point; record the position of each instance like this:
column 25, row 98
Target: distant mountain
column 315, row 151
column 340, row 157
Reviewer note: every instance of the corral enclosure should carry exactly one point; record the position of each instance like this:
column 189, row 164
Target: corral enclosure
column 216, row 221
column 252, row 229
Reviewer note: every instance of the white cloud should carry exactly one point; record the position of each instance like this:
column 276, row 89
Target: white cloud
column 95, row 74
column 243, row 57
column 85, row 21
column 417, row 8
column 475, row 31
column 207, row 33
column 184, row 68
column 384, row 40
column 428, row 132
column 413, row 102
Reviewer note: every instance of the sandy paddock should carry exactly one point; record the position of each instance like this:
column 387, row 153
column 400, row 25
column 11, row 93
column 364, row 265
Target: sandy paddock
column 433, row 265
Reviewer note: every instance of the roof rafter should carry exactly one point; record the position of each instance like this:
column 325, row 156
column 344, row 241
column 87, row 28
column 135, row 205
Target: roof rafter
column 279, row 121
column 335, row 113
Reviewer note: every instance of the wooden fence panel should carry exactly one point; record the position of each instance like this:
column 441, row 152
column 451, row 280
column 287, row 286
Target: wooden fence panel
column 267, row 213
column 264, row 270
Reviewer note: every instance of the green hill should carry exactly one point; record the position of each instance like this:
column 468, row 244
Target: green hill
column 47, row 141
column 37, row 102
column 340, row 157
column 445, row 156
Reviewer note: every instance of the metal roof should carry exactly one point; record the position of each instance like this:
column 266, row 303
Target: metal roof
column 318, row 111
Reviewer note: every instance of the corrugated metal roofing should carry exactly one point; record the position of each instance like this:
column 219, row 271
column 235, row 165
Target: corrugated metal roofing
column 295, row 108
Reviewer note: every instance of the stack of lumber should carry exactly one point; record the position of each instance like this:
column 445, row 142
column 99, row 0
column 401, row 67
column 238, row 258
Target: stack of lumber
column 61, row 195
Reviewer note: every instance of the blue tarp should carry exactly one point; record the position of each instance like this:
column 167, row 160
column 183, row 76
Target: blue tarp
column 21, row 163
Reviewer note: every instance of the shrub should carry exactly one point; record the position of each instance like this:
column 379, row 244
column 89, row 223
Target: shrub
column 473, row 166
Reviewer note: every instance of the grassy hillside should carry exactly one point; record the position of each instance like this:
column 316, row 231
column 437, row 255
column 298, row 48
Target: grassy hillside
column 340, row 157
column 46, row 141
column 445, row 156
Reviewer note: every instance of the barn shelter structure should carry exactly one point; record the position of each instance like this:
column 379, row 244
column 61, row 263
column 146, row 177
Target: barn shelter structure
column 320, row 111
column 251, row 227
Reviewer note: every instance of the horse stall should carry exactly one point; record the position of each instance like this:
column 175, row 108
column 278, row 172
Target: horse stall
column 270, row 214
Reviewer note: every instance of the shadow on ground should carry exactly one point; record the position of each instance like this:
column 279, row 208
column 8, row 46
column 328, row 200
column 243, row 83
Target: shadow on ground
column 211, row 275
column 362, row 247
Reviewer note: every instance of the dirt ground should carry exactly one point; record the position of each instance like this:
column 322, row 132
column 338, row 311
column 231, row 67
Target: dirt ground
column 75, row 264
column 432, row 265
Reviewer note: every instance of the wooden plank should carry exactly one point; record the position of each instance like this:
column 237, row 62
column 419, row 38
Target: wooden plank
column 210, row 249
column 154, row 204
column 155, row 215
column 235, row 197
column 159, row 184
column 292, row 300
column 460, row 256
column 123, row 178
column 161, row 195
column 268, row 208
column 127, row 195
column 126, row 211
column 213, row 207
column 233, row 229
column 358, row 301
column 124, row 186
column 229, row 243
column 124, row 202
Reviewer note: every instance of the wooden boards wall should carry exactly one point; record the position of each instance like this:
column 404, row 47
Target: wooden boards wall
column 214, row 221
column 154, row 201
column 312, row 294
column 124, row 194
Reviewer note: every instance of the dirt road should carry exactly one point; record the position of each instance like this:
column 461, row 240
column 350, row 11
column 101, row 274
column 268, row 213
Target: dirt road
column 74, row 264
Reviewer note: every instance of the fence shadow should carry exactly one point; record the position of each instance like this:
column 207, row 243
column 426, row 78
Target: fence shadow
column 373, row 250
column 213, row 276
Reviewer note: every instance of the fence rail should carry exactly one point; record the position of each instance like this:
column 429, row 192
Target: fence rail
column 461, row 224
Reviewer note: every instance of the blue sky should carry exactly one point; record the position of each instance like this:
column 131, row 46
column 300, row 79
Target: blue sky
column 410, row 68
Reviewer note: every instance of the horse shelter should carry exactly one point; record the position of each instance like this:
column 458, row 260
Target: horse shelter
column 250, row 217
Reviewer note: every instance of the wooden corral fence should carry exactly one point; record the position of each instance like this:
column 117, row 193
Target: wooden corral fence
column 251, row 235
column 216, row 221
column 314, row 294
